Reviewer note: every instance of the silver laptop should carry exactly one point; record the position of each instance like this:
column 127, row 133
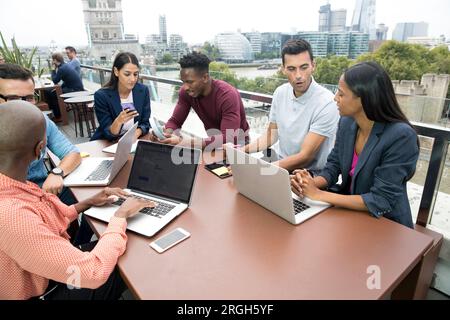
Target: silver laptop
column 97, row 171
column 164, row 174
column 270, row 187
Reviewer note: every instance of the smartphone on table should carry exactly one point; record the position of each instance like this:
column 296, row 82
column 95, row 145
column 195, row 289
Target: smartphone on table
column 220, row 169
column 169, row 240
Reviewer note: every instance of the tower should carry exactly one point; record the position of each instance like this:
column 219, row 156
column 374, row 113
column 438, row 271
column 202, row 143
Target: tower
column 364, row 18
column 163, row 29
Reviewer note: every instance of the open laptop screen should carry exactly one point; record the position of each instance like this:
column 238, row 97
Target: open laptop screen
column 164, row 170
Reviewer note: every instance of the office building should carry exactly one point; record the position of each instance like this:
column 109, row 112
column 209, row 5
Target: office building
column 382, row 31
column 234, row 48
column 105, row 30
column 332, row 20
column 348, row 44
column 177, row 47
column 163, row 29
column 255, row 41
column 364, row 17
column 405, row 30
column 428, row 42
column 271, row 42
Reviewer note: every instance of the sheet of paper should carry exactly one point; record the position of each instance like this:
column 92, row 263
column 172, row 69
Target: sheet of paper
column 221, row 171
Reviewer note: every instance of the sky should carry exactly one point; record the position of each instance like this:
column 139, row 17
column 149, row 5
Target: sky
column 38, row 22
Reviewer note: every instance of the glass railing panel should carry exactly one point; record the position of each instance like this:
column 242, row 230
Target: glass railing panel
column 441, row 214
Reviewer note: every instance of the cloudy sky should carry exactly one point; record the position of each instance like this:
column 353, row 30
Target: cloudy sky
column 39, row 22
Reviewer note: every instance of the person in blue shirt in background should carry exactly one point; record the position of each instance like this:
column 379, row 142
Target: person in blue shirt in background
column 71, row 53
column 376, row 150
column 123, row 101
column 71, row 82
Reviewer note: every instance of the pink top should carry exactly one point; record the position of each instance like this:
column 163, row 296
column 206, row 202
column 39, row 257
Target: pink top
column 35, row 247
column 352, row 169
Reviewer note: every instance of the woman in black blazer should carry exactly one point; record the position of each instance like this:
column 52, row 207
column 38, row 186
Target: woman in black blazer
column 376, row 149
column 122, row 101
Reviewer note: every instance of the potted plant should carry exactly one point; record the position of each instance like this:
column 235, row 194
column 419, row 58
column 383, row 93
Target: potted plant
column 16, row 56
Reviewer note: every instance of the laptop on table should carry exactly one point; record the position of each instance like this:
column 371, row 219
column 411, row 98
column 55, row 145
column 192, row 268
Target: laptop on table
column 98, row 171
column 164, row 174
column 270, row 187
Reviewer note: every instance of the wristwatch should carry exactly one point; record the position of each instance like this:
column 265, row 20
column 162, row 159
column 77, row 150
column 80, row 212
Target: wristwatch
column 58, row 172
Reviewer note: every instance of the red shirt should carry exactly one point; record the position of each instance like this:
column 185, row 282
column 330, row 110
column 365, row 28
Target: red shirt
column 222, row 109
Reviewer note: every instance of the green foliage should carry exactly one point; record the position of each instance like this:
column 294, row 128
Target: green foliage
column 210, row 51
column 16, row 56
column 329, row 70
column 167, row 59
column 402, row 61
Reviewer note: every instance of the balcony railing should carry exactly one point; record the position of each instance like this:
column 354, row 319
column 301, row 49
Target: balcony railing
column 434, row 151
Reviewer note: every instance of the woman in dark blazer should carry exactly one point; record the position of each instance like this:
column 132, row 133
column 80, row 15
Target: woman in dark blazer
column 376, row 150
column 122, row 101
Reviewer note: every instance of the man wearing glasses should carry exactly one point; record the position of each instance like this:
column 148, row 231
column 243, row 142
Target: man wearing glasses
column 16, row 83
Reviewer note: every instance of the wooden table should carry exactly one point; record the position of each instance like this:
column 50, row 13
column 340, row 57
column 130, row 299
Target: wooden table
column 239, row 250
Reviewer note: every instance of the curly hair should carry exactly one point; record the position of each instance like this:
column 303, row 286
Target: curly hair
column 197, row 61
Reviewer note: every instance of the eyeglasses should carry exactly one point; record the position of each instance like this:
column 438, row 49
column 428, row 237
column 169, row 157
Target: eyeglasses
column 30, row 98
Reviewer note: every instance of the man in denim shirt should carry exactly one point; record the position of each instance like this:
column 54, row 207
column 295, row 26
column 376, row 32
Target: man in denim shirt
column 17, row 83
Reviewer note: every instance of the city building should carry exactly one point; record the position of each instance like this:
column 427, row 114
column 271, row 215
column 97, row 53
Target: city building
column 105, row 30
column 364, row 17
column 271, row 43
column 177, row 47
column 405, row 30
column 255, row 40
column 233, row 47
column 332, row 20
column 163, row 29
column 349, row 44
column 382, row 31
column 429, row 42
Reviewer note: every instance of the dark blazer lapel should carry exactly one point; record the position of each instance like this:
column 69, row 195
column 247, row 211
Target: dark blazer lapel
column 374, row 137
column 138, row 97
column 115, row 100
column 349, row 147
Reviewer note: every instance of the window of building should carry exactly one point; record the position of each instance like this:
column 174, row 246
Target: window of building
column 112, row 4
column 105, row 34
column 96, row 36
column 92, row 3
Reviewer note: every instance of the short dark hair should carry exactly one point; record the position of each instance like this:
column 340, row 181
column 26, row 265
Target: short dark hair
column 295, row 47
column 58, row 57
column 71, row 49
column 197, row 61
column 15, row 72
column 119, row 62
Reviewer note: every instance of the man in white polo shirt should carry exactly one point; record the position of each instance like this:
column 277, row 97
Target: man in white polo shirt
column 303, row 116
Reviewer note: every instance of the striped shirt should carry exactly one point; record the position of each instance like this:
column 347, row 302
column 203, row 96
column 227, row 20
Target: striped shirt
column 35, row 246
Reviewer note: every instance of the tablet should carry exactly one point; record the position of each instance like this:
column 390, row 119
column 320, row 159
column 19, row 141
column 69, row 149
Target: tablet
column 157, row 128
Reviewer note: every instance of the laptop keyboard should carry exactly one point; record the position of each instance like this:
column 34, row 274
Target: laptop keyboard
column 299, row 206
column 158, row 212
column 101, row 172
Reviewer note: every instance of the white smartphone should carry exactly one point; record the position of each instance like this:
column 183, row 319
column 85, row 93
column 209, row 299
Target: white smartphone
column 170, row 239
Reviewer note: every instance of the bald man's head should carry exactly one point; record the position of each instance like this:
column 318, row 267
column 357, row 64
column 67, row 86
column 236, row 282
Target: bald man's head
column 22, row 127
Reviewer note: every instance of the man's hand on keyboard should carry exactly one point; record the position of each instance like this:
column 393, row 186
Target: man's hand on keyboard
column 132, row 206
column 107, row 196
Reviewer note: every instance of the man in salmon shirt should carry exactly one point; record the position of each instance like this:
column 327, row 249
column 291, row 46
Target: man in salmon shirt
column 37, row 259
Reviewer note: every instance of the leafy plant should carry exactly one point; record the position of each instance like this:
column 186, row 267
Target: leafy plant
column 16, row 56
